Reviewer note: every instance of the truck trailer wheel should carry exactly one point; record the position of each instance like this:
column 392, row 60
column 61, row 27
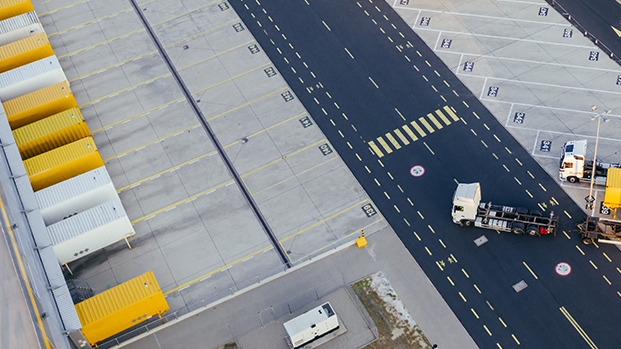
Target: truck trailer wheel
column 532, row 231
column 587, row 241
column 518, row 228
column 573, row 179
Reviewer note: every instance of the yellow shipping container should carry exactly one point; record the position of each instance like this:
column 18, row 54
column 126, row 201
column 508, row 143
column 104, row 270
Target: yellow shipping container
column 50, row 133
column 39, row 104
column 63, row 163
column 12, row 8
column 612, row 198
column 24, row 51
column 121, row 307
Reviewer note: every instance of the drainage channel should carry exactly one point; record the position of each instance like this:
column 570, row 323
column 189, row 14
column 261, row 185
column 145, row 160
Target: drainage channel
column 201, row 118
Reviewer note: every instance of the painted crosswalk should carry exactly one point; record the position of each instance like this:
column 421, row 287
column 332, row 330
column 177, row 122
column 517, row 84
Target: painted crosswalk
column 416, row 129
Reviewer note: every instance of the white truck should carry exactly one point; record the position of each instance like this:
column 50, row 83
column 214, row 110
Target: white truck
column 573, row 165
column 311, row 325
column 469, row 210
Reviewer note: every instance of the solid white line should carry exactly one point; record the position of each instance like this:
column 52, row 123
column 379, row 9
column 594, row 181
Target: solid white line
column 435, row 47
column 417, row 17
column 509, row 116
column 540, row 106
column 482, row 16
column 535, row 145
column 547, row 85
column 526, row 2
column 575, row 135
column 459, row 64
column 529, row 61
column 507, row 38
column 483, row 89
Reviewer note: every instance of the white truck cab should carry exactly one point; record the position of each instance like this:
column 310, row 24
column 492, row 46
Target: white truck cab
column 465, row 203
column 571, row 166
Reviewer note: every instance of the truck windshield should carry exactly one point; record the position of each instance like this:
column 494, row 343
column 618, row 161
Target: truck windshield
column 569, row 148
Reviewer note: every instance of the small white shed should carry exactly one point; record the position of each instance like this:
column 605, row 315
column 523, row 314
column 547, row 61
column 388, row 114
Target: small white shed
column 312, row 325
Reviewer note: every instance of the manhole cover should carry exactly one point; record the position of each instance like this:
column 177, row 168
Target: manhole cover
column 481, row 240
column 520, row 286
column 563, row 269
column 417, row 171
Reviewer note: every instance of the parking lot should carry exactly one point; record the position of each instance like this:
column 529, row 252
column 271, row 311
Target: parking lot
column 194, row 228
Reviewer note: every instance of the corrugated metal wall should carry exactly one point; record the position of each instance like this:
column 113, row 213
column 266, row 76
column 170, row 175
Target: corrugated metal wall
column 54, row 148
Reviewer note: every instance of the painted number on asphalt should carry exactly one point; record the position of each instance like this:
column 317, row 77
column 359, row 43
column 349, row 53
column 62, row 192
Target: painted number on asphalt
column 545, row 146
column 563, row 269
column 417, row 171
column 270, row 72
column 306, row 122
column 288, row 96
column 223, row 6
column 425, row 21
column 446, row 43
column 369, row 210
column 404, row 2
column 567, row 33
column 605, row 210
column 238, row 27
column 325, row 149
column 468, row 66
column 254, row 49
column 593, row 56
column 619, row 80
column 543, row 11
column 519, row 118
column 493, row 91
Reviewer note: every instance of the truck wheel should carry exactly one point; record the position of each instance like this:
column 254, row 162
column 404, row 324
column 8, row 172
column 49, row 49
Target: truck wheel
column 466, row 223
column 573, row 179
column 533, row 231
column 587, row 241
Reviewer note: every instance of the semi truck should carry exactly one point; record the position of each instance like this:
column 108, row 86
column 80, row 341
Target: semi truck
column 469, row 210
column 574, row 167
column 602, row 230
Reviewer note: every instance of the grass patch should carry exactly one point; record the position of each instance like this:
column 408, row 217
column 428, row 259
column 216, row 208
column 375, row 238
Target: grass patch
column 394, row 330
column 229, row 345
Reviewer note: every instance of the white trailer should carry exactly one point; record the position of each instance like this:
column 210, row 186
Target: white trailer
column 574, row 167
column 30, row 78
column 90, row 231
column 75, row 195
column 311, row 325
column 469, row 210
column 19, row 27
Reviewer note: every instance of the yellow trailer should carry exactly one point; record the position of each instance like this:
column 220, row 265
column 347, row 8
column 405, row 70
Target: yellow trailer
column 612, row 197
column 39, row 104
column 50, row 133
column 12, row 8
column 121, row 307
column 24, row 51
column 63, row 163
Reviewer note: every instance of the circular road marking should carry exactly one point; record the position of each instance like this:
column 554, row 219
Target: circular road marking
column 563, row 269
column 417, row 171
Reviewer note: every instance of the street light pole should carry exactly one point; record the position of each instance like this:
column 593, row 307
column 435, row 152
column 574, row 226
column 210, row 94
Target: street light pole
column 590, row 199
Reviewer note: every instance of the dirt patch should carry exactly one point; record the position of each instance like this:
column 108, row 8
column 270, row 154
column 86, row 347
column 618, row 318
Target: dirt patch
column 395, row 326
column 229, row 345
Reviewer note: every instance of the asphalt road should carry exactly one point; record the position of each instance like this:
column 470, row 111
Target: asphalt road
column 598, row 18
column 362, row 74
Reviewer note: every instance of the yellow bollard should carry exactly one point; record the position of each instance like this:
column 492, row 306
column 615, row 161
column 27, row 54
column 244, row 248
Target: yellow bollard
column 361, row 241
